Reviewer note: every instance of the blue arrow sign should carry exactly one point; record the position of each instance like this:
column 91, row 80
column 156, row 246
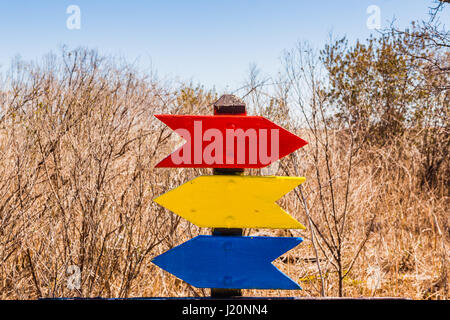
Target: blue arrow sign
column 230, row 262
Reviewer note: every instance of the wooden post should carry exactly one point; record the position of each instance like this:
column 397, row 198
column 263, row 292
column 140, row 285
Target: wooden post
column 228, row 104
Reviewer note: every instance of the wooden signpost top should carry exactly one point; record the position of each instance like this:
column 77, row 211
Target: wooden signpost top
column 229, row 104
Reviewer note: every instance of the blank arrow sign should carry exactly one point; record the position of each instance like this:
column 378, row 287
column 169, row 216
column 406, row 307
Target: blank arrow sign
column 230, row 262
column 231, row 141
column 225, row 201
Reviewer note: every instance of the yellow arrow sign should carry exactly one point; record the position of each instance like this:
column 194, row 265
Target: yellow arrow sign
column 233, row 201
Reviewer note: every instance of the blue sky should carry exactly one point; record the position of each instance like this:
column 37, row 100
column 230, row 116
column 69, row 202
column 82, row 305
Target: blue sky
column 208, row 42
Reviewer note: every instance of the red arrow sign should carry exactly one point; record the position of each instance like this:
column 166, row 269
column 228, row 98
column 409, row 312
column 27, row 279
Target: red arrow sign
column 228, row 141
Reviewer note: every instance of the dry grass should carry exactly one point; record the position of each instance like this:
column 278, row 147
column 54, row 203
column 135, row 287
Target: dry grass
column 78, row 145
